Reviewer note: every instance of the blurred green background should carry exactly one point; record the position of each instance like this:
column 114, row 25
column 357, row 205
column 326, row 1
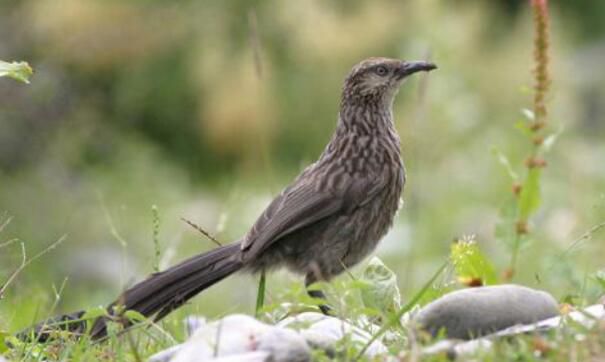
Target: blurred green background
column 141, row 103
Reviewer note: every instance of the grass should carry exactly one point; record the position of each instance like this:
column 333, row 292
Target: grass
column 466, row 263
column 568, row 343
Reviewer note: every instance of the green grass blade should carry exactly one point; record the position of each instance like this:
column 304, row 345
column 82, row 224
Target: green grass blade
column 260, row 297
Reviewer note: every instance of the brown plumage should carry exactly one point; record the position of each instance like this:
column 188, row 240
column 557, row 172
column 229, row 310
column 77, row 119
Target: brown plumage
column 332, row 215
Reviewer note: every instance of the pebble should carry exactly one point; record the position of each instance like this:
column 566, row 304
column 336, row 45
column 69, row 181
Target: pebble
column 323, row 332
column 475, row 312
column 239, row 337
column 463, row 350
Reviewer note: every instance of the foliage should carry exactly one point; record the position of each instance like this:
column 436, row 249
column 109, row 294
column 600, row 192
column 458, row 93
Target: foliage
column 526, row 193
column 380, row 291
column 471, row 266
column 20, row 71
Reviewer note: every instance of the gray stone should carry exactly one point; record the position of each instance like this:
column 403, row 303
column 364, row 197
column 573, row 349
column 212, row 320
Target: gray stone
column 456, row 349
column 475, row 312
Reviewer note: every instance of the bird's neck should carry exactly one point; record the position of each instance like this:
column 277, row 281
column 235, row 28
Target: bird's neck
column 370, row 127
column 366, row 119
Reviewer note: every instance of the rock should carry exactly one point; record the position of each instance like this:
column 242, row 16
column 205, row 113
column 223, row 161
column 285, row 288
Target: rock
column 239, row 338
column 243, row 338
column 165, row 355
column 587, row 317
column 193, row 323
column 258, row 356
column 454, row 348
column 324, row 332
column 475, row 312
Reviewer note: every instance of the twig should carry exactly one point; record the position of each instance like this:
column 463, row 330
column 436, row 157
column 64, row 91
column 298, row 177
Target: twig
column 141, row 325
column 587, row 235
column 14, row 275
column 346, row 269
column 25, row 262
column 201, row 230
column 112, row 227
column 6, row 222
column 57, row 294
column 116, row 235
column 8, row 242
column 156, row 240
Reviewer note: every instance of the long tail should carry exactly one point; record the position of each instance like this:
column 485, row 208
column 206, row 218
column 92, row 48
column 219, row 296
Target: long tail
column 156, row 296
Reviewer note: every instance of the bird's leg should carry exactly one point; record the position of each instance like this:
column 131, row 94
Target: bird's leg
column 311, row 278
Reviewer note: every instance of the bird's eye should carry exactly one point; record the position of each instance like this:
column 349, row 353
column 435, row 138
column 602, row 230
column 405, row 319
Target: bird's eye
column 381, row 71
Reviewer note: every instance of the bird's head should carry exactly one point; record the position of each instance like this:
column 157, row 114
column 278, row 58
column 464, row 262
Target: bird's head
column 378, row 79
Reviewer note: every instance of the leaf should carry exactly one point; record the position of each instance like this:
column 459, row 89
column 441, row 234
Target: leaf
column 396, row 318
column 94, row 313
column 380, row 291
column 91, row 315
column 134, row 316
column 529, row 199
column 471, row 266
column 506, row 163
column 20, row 71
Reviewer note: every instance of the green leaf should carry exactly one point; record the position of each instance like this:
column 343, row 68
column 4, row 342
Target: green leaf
column 20, row 71
column 260, row 294
column 91, row 315
column 506, row 163
column 471, row 266
column 529, row 199
column 94, row 313
column 134, row 316
column 380, row 291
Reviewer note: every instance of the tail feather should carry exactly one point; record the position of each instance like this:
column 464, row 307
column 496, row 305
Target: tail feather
column 164, row 289
column 159, row 294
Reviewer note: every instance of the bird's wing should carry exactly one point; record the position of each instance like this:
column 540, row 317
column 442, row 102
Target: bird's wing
column 296, row 207
column 301, row 205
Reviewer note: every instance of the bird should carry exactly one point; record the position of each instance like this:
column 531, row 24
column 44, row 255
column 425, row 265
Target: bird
column 327, row 220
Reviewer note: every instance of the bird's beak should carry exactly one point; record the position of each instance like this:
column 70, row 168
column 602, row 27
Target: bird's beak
column 407, row 68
